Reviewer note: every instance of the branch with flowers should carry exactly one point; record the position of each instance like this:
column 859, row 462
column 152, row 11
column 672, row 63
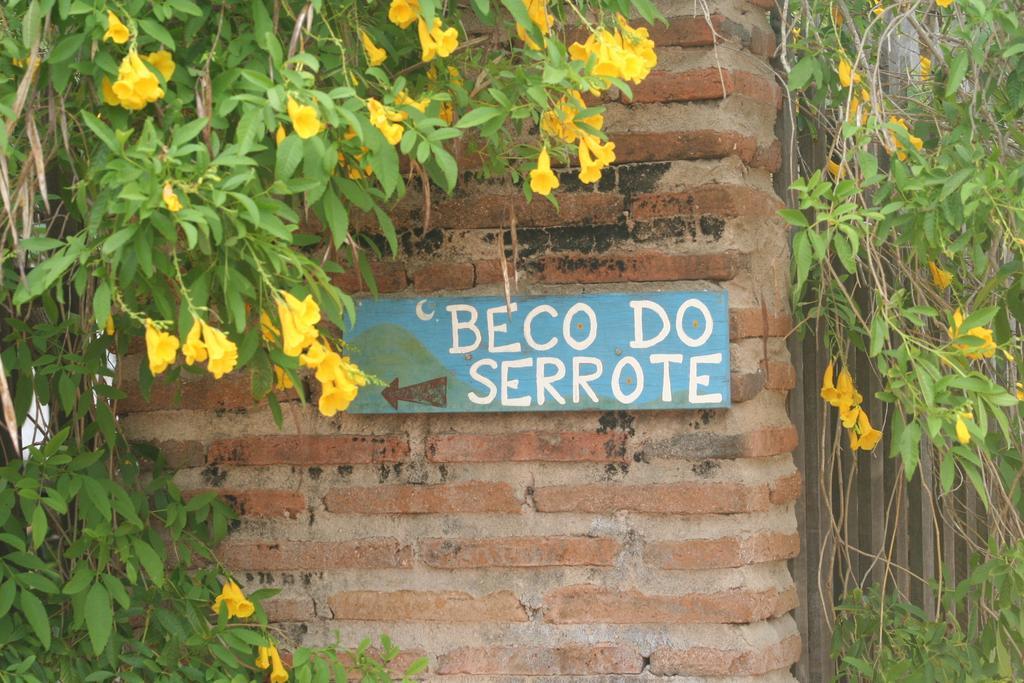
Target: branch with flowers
column 908, row 257
column 198, row 175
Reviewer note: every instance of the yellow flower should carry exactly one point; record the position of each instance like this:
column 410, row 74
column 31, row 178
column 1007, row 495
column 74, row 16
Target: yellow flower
column 834, row 169
column 943, row 3
column 386, row 120
column 962, row 433
column 926, row 68
column 161, row 348
column 116, row 31
column 542, row 180
column 403, row 13
column 341, row 379
column 917, row 142
column 627, row 53
column 314, row 355
column 594, row 156
column 538, row 13
column 436, row 42
column 109, row 97
column 223, row 352
column 282, row 381
column 298, row 321
column 277, row 672
column 263, row 657
column 878, row 10
column 171, row 200
column 1020, row 391
column 234, row 599
column 863, row 436
column 136, row 85
column 267, row 329
column 847, row 76
column 375, row 55
column 163, row 62
column 402, row 98
column 941, row 278
column 305, row 120
column 986, row 349
column 281, row 134
column 193, row 349
column 109, row 326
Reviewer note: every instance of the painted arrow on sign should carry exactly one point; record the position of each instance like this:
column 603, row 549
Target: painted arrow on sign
column 433, row 392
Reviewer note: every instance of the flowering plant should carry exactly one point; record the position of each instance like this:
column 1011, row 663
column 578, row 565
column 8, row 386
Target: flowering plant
column 199, row 175
column 908, row 253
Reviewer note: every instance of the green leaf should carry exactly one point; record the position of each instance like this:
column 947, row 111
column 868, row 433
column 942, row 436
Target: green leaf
column 101, row 303
column 801, row 73
column 336, row 216
column 8, row 591
column 957, row 71
column 35, row 614
column 151, row 562
column 289, row 156
column 66, row 48
column 30, row 24
column 118, row 239
column 101, row 131
column 190, row 130
column 155, row 30
column 40, row 525
column 477, row 117
column 99, row 617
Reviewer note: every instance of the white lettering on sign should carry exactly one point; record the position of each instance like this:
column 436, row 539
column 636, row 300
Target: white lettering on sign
column 542, row 363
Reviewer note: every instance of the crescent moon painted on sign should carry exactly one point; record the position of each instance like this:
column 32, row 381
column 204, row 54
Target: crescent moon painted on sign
column 421, row 313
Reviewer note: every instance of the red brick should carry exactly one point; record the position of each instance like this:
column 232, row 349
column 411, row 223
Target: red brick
column 410, row 499
column 683, row 145
column 390, row 276
column 544, row 551
column 685, row 86
column 770, row 441
column 723, row 201
column 695, row 31
column 289, row 609
column 588, row 604
column 787, row 489
column 482, row 211
column 362, row 553
column 710, row 661
column 688, row 497
column 647, row 266
column 750, row 323
column 571, row 660
column 779, row 376
column 309, row 450
column 201, row 393
column 527, row 446
column 705, row 84
column 768, row 157
column 442, row 606
column 745, row 386
column 488, row 272
column 260, row 502
column 718, row 553
column 180, row 454
column 437, row 276
column 489, row 210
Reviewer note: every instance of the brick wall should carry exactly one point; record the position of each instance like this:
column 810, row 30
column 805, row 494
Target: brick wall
column 583, row 545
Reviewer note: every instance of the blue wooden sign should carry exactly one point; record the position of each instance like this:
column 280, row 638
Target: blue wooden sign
column 641, row 351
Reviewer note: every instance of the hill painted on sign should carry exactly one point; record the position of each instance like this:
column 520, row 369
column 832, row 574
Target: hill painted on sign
column 390, row 351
